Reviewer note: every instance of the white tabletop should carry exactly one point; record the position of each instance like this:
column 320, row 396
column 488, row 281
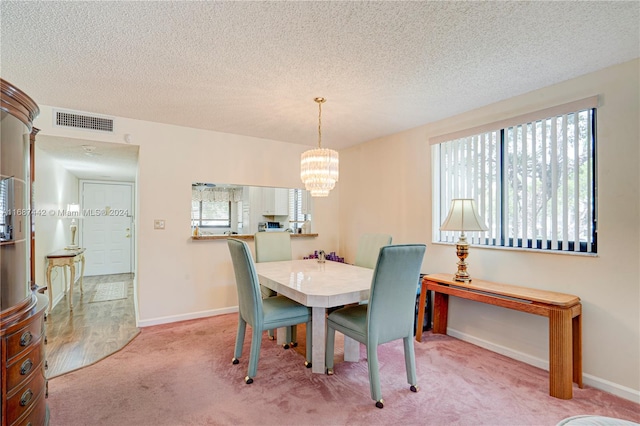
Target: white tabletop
column 320, row 286
column 317, row 284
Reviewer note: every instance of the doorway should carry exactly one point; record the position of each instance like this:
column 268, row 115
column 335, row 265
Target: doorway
column 101, row 178
column 106, row 230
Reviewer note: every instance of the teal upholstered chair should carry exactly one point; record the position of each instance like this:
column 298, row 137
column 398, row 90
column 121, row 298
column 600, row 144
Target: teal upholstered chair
column 388, row 316
column 369, row 246
column 273, row 247
column 261, row 314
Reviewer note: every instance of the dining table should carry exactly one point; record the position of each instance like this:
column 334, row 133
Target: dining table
column 319, row 285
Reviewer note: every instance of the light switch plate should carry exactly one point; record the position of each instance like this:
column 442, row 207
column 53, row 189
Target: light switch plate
column 158, row 224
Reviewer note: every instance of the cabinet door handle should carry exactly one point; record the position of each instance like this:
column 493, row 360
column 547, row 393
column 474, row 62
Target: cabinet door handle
column 25, row 339
column 26, row 397
column 26, row 367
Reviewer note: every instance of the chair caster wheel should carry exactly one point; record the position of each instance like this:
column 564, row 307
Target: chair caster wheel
column 248, row 380
column 307, row 364
column 285, row 346
column 294, row 344
column 329, row 371
column 380, row 404
column 235, row 361
column 414, row 388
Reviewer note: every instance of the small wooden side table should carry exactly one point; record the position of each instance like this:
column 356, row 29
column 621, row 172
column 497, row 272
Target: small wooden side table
column 65, row 258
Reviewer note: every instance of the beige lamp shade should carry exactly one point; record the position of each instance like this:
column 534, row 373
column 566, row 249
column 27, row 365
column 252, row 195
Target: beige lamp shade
column 73, row 210
column 463, row 217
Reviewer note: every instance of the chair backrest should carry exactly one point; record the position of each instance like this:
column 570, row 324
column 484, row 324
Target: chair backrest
column 249, row 297
column 392, row 296
column 272, row 246
column 369, row 247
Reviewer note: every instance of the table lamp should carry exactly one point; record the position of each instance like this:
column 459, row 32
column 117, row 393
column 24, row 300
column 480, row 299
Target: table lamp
column 463, row 217
column 73, row 210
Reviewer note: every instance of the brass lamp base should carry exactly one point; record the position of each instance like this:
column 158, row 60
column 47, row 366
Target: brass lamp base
column 462, row 250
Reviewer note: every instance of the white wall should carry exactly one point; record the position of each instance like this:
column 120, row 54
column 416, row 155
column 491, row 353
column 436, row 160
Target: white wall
column 54, row 188
column 399, row 201
column 178, row 278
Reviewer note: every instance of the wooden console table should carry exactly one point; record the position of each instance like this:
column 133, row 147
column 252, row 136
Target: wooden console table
column 65, row 258
column 563, row 310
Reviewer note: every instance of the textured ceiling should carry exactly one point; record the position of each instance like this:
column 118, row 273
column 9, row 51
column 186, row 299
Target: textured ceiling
column 253, row 68
column 92, row 160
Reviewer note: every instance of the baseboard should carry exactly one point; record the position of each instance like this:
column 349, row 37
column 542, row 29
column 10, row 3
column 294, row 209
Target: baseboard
column 587, row 379
column 186, row 317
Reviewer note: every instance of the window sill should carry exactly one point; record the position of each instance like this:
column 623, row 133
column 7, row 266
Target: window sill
column 241, row 236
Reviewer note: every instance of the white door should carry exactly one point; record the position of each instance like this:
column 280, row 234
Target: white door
column 107, row 227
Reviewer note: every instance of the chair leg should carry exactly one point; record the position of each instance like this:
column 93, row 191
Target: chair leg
column 329, row 350
column 256, row 340
column 292, row 336
column 374, row 374
column 242, row 326
column 267, row 292
column 309, row 348
column 410, row 363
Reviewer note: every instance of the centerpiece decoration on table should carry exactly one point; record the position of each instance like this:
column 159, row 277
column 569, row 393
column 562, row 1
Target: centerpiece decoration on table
column 317, row 254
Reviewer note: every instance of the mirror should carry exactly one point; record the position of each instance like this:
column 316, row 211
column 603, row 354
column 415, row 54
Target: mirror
column 219, row 209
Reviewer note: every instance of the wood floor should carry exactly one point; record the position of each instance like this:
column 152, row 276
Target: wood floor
column 93, row 330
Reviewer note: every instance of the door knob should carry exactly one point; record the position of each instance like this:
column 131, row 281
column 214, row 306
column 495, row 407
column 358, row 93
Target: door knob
column 128, row 235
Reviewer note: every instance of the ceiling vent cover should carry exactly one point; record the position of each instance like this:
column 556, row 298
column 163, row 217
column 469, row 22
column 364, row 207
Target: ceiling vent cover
column 83, row 121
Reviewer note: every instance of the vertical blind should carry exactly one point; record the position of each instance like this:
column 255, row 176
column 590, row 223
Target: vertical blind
column 298, row 212
column 5, row 209
column 533, row 181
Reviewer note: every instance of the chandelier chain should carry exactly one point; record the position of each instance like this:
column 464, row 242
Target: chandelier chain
column 319, row 125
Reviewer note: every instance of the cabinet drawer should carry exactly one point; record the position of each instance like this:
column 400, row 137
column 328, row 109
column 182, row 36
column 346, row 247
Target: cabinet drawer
column 25, row 397
column 36, row 416
column 21, row 339
column 22, row 368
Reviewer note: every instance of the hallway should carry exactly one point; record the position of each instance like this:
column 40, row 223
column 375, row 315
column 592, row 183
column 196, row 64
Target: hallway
column 93, row 330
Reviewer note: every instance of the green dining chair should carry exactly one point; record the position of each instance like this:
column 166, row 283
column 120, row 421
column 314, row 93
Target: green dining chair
column 369, row 246
column 261, row 314
column 274, row 247
column 388, row 316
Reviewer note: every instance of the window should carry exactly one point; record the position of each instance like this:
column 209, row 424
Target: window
column 6, row 207
column 533, row 179
column 211, row 214
column 298, row 208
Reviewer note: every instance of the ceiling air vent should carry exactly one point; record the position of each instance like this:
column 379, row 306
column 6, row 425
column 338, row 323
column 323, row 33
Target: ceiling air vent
column 83, row 121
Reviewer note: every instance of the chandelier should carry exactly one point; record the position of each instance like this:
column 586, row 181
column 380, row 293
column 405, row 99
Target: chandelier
column 319, row 167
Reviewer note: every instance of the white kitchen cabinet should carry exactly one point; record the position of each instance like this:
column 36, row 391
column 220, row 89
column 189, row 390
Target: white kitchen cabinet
column 275, row 202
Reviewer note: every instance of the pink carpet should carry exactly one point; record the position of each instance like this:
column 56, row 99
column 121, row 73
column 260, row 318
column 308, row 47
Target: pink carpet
column 181, row 374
